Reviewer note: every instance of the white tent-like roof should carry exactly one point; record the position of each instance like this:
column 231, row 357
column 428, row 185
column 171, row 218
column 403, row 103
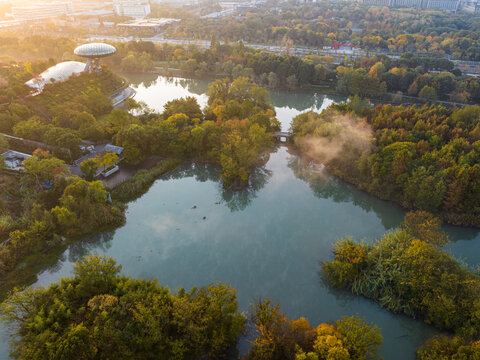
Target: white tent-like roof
column 95, row 50
column 60, row 72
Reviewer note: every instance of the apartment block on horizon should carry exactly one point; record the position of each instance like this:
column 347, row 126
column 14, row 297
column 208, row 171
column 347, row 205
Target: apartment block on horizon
column 132, row 8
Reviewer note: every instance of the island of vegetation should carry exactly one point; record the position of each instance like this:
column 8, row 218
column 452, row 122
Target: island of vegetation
column 424, row 158
column 98, row 313
column 412, row 76
column 408, row 272
column 44, row 206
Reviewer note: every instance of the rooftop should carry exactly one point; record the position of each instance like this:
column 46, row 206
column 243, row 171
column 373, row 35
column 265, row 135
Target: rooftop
column 60, row 72
column 113, row 149
column 147, row 23
column 12, row 154
column 93, row 50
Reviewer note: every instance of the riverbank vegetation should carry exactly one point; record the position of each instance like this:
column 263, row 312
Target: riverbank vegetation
column 427, row 77
column 98, row 313
column 408, row 272
column 423, row 158
column 234, row 130
column 49, row 206
column 61, row 116
column 279, row 338
column 319, row 24
column 139, row 183
column 375, row 76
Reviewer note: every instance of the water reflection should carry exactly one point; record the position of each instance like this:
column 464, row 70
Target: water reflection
column 326, row 186
column 144, row 79
column 265, row 241
column 458, row 233
column 302, row 100
column 239, row 200
column 234, row 200
column 199, row 171
column 99, row 242
column 195, row 86
column 157, row 90
column 198, row 87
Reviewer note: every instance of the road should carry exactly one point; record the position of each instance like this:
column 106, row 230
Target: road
column 469, row 67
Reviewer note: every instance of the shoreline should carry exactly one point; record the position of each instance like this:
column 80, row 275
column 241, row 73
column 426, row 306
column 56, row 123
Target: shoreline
column 326, row 89
column 25, row 273
column 444, row 217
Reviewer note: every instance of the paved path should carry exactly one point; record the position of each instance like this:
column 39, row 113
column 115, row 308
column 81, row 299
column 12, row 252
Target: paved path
column 127, row 171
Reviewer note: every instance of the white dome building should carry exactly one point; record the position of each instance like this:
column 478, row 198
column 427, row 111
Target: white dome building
column 57, row 73
column 93, row 52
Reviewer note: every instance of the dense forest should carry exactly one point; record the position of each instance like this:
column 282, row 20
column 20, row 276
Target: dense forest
column 46, row 205
column 408, row 272
column 377, row 76
column 99, row 314
column 423, row 158
column 322, row 23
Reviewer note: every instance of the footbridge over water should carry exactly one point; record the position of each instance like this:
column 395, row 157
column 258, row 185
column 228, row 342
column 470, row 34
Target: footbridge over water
column 282, row 135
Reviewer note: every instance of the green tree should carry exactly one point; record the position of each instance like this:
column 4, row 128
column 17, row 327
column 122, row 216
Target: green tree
column 272, row 80
column 428, row 93
column 188, row 106
column 89, row 169
column 362, row 340
column 38, row 169
column 98, row 313
column 292, row 82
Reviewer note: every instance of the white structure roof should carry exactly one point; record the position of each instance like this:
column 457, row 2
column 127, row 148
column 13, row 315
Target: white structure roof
column 148, row 23
column 12, row 154
column 94, row 50
column 14, row 159
column 60, row 72
column 113, row 149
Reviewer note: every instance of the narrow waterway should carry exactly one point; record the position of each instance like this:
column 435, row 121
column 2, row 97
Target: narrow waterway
column 266, row 241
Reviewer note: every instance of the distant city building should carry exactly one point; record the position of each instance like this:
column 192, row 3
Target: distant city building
column 153, row 24
column 132, row 8
column 451, row 5
column 219, row 14
column 46, row 10
column 41, row 10
column 237, row 6
column 471, row 6
column 230, row 8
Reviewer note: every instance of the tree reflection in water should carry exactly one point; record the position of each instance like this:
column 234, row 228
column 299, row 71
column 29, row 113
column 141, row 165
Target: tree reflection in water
column 99, row 242
column 234, row 200
column 327, row 186
column 239, row 200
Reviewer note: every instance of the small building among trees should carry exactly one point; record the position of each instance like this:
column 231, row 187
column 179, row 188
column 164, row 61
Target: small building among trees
column 14, row 159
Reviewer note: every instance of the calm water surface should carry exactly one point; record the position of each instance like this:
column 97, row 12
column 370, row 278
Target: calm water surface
column 266, row 241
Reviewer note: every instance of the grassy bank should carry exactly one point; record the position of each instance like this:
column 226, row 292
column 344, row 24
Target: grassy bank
column 139, row 184
column 408, row 272
column 26, row 271
column 452, row 218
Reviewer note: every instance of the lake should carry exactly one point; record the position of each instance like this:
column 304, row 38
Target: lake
column 266, row 241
